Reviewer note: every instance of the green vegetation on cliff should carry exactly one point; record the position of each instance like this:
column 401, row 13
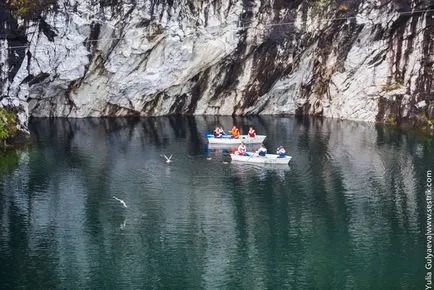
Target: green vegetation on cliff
column 28, row 9
column 8, row 126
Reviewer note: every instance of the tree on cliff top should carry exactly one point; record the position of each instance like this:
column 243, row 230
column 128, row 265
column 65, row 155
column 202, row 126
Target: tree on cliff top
column 28, row 9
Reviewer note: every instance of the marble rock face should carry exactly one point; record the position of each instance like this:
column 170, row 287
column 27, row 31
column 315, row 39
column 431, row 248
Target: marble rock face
column 361, row 60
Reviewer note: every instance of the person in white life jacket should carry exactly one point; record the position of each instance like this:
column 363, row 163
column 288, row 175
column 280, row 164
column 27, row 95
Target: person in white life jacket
column 242, row 149
column 262, row 151
column 281, row 152
column 222, row 131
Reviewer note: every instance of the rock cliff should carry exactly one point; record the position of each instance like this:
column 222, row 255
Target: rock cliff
column 368, row 60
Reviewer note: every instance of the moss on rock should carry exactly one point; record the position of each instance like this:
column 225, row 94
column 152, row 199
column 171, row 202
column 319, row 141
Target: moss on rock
column 8, row 127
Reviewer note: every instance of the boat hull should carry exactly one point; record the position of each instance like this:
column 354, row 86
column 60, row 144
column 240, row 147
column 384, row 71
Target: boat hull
column 267, row 159
column 234, row 141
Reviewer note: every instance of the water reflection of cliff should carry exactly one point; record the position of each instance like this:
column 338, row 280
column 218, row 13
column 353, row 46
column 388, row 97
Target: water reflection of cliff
column 351, row 199
column 361, row 179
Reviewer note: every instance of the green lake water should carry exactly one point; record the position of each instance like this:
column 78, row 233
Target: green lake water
column 349, row 212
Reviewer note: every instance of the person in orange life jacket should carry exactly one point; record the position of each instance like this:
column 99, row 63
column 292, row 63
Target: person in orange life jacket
column 262, row 151
column 242, row 149
column 235, row 132
column 217, row 132
column 281, row 152
column 252, row 133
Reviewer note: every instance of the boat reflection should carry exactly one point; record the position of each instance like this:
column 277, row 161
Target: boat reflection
column 261, row 170
column 267, row 166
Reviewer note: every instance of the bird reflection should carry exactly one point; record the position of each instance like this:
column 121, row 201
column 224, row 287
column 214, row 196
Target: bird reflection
column 167, row 170
column 123, row 224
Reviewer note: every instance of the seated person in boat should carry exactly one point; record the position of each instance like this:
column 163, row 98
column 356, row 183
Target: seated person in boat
column 252, row 133
column 281, row 152
column 262, row 151
column 235, row 132
column 242, row 150
column 222, row 131
column 217, row 132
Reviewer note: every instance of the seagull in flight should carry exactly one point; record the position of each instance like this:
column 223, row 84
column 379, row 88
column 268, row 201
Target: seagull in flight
column 121, row 201
column 168, row 159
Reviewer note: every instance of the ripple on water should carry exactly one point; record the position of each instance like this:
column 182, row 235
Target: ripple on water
column 303, row 171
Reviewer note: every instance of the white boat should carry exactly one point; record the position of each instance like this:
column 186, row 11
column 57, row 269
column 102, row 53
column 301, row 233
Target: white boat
column 228, row 140
column 267, row 159
column 250, row 146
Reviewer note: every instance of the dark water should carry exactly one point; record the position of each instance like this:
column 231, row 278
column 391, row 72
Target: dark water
column 348, row 213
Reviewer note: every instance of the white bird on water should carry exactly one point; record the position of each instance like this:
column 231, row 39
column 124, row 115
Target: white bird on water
column 168, row 158
column 121, row 201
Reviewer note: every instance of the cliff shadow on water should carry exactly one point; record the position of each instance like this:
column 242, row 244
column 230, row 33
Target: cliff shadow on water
column 161, row 131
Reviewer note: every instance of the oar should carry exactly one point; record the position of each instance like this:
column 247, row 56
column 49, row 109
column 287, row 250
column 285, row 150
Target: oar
column 250, row 156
